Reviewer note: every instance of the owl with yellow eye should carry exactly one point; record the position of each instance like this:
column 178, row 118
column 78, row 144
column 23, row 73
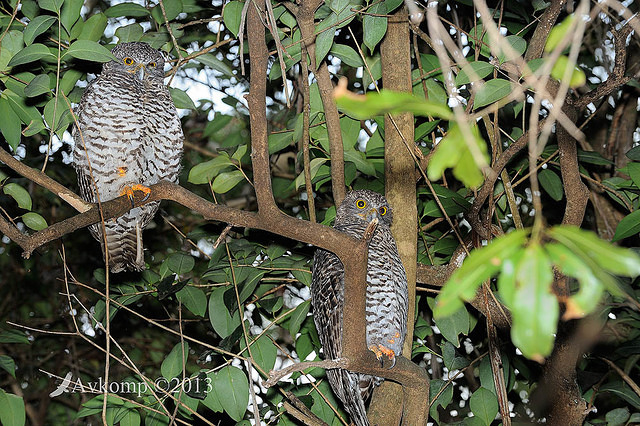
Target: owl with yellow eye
column 386, row 300
column 127, row 137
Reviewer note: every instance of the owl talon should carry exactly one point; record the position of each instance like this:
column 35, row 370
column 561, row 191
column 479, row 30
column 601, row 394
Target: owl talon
column 380, row 350
column 128, row 191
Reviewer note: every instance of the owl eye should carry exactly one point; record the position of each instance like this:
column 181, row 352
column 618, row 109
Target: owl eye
column 151, row 64
column 128, row 61
column 361, row 204
column 382, row 210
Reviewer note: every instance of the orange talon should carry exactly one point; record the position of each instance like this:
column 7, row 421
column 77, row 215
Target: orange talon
column 388, row 352
column 122, row 171
column 128, row 191
column 375, row 350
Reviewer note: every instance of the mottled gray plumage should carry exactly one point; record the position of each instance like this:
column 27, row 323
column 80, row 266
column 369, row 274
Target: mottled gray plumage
column 129, row 126
column 387, row 297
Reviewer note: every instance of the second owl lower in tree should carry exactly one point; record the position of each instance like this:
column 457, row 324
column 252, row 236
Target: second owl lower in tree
column 128, row 136
column 386, row 304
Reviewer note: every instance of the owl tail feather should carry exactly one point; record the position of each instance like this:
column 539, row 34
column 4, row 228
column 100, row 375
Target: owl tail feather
column 353, row 389
column 125, row 250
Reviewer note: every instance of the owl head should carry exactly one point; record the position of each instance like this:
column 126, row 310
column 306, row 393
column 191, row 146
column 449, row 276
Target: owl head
column 138, row 59
column 364, row 205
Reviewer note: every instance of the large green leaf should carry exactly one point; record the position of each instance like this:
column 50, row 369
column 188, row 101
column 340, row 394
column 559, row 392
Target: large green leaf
column 89, row 51
column 374, row 25
column 31, row 53
column 12, row 411
column 232, row 389
column 19, row 194
column 480, row 265
column 535, row 308
column 193, row 299
column 492, row 91
column 484, row 405
column 222, row 321
column 10, row 124
column 174, row 363
column 628, row 226
column 226, row 181
column 37, row 26
column 362, row 107
column 617, row 260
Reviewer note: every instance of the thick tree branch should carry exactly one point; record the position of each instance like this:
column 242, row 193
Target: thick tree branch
column 540, row 34
column 305, row 17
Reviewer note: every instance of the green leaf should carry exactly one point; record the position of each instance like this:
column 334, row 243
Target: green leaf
column 38, row 86
column 19, row 194
column 221, row 320
column 8, row 365
column 517, row 44
column 444, row 397
column 226, row 181
column 213, row 62
column 628, row 226
column 480, row 265
column 617, row 260
column 325, row 31
column 492, row 91
column 181, row 99
column 634, row 154
column 535, row 308
column 314, row 166
column 362, row 107
column 633, row 169
column 263, row 352
column 374, row 27
column 88, row 50
column 34, row 221
column 617, row 416
column 94, row 28
column 70, row 13
column 360, row 160
column 346, row 54
column 211, row 400
column 232, row 389
column 551, row 183
column 31, row 53
column 577, row 77
column 205, row 172
column 126, row 9
column 484, row 405
column 453, row 151
column 591, row 289
column 559, row 32
column 174, row 363
column 130, row 418
column 231, row 16
column 474, row 71
column 13, row 336
column 131, row 32
column 193, row 299
column 51, row 5
column 11, row 409
column 172, row 9
column 180, row 263
column 298, row 316
column 37, row 26
column 451, row 326
column 28, row 114
column 10, row 124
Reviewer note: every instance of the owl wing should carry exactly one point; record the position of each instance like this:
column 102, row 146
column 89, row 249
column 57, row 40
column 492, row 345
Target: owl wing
column 327, row 299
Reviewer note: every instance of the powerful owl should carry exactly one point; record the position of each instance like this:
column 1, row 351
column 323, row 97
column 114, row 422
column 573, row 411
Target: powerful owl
column 386, row 304
column 128, row 136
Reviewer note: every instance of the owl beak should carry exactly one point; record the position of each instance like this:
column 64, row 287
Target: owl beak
column 139, row 71
column 370, row 214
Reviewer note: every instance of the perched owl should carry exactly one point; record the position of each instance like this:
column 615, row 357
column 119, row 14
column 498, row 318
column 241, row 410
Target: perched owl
column 387, row 297
column 128, row 136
